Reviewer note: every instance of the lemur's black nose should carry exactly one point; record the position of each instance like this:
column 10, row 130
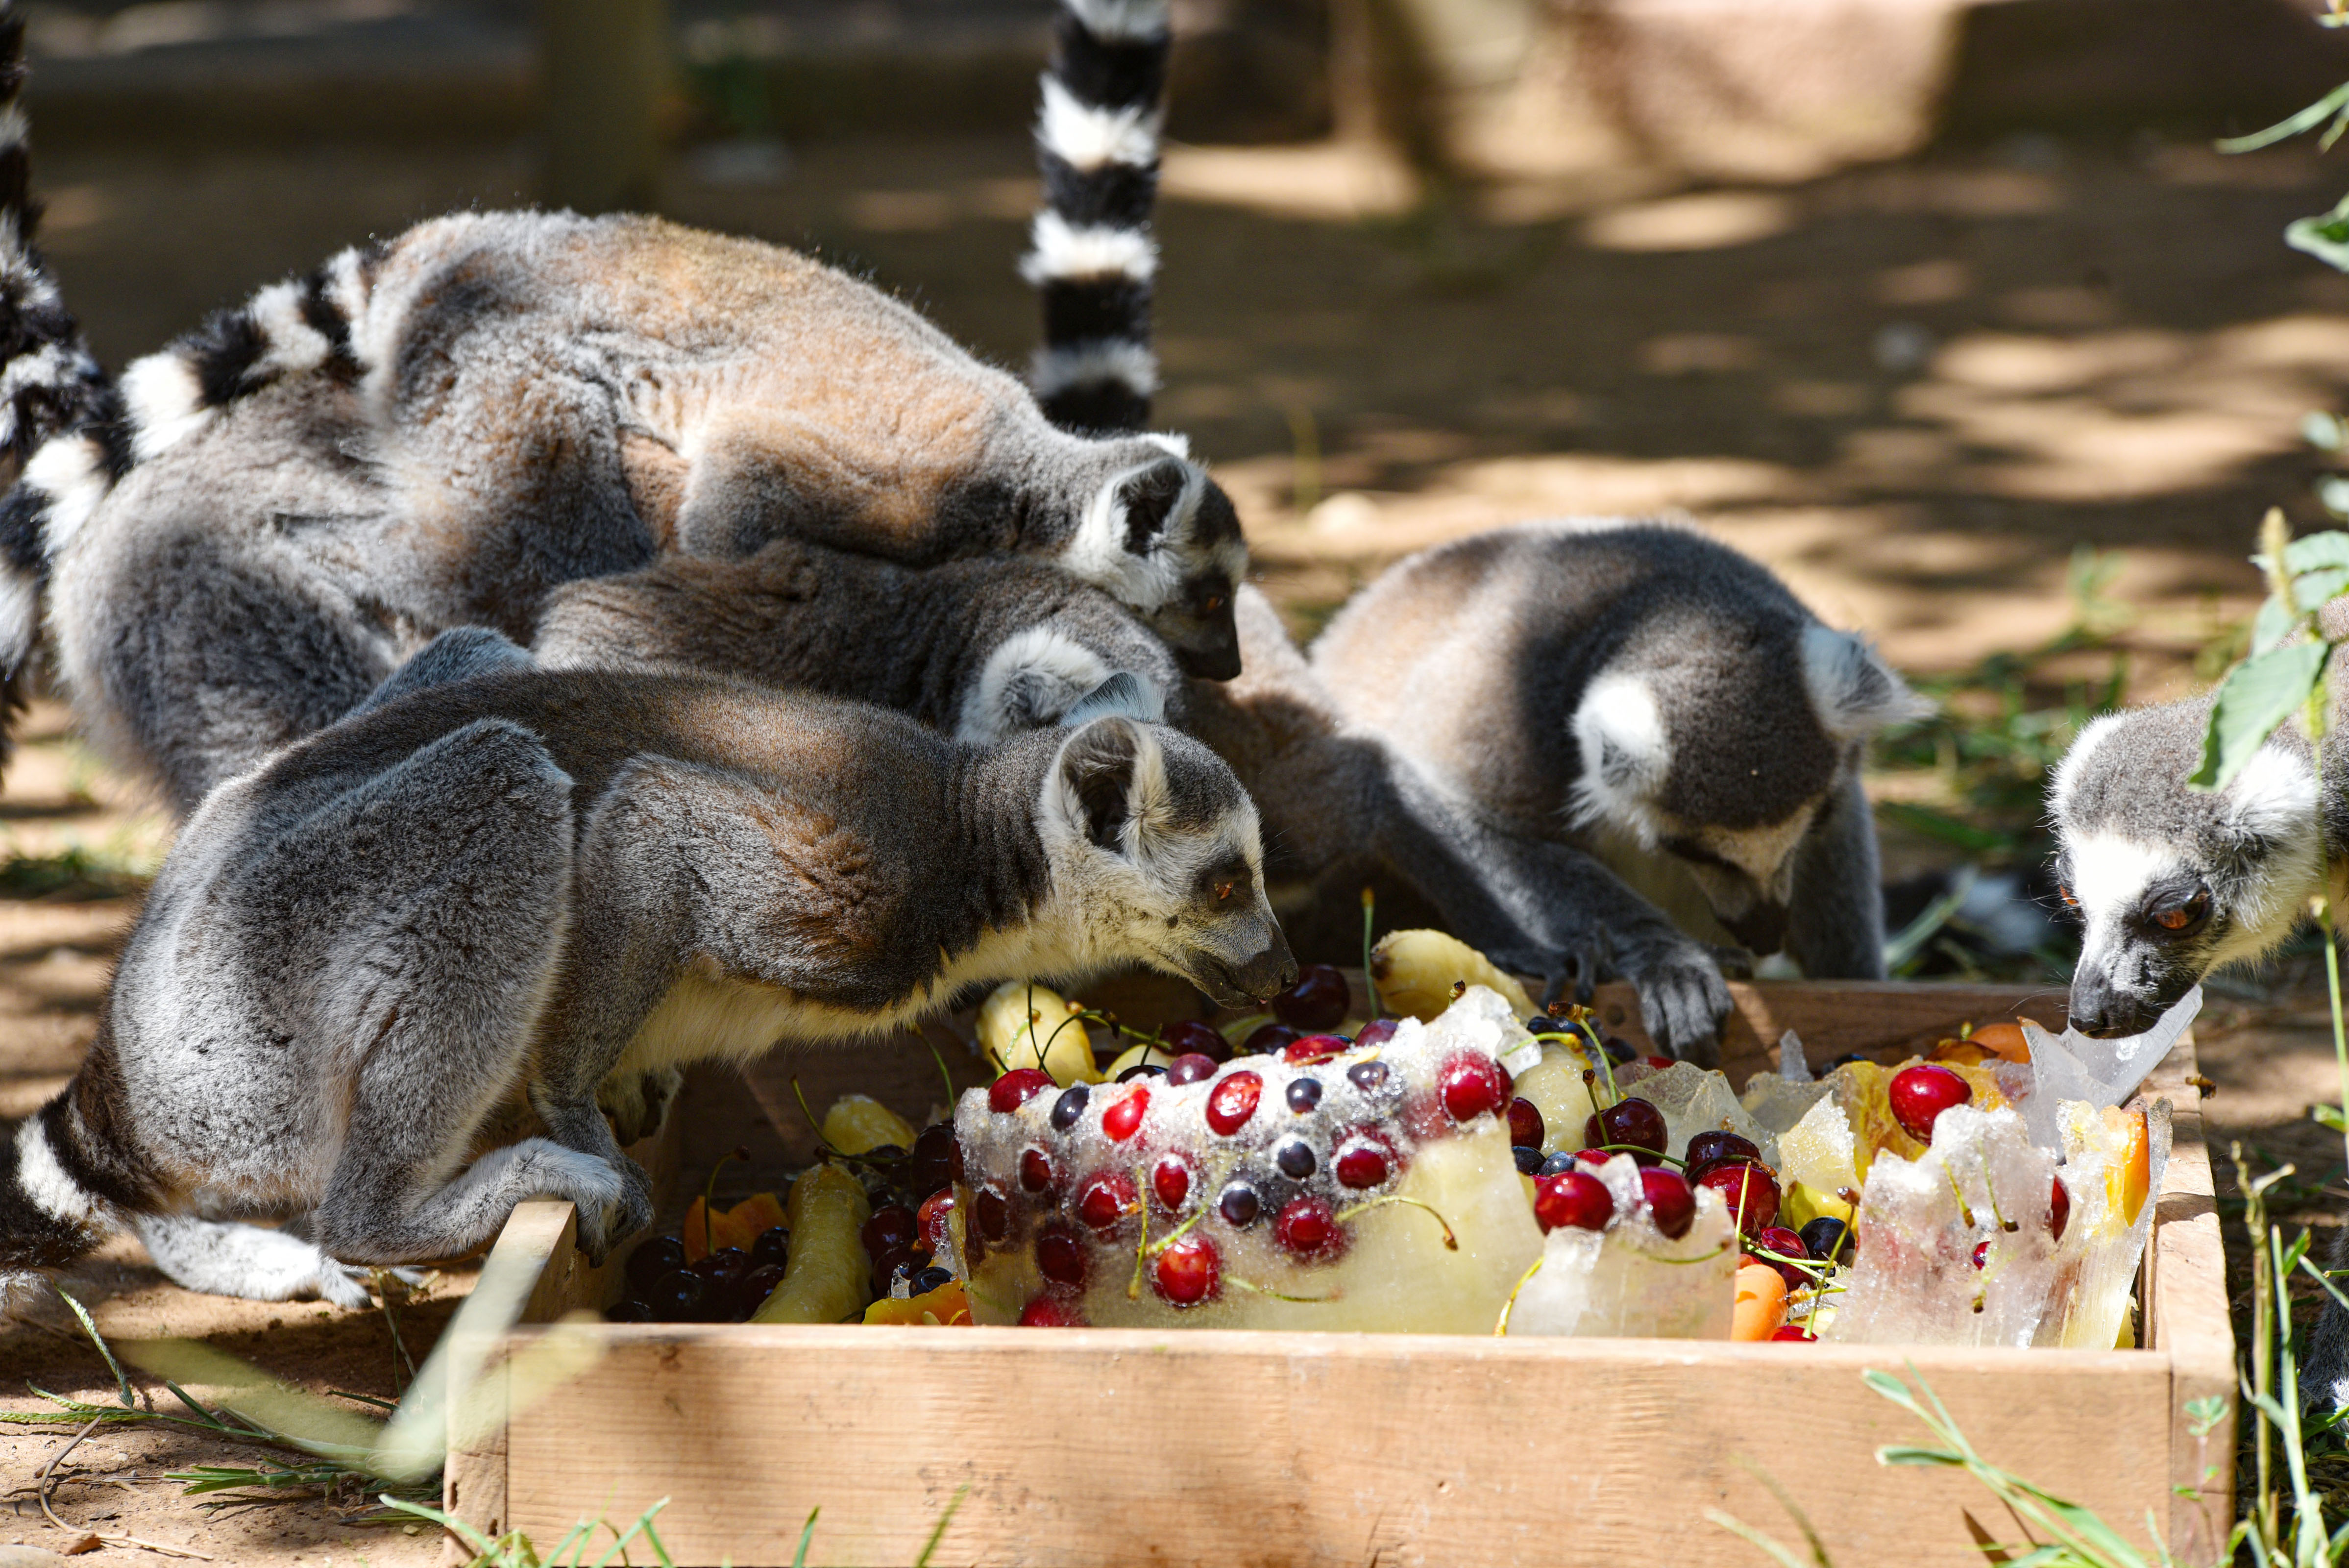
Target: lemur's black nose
column 2102, row 1012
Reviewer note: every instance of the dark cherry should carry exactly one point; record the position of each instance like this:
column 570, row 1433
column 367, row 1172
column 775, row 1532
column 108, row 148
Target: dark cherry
column 627, row 1312
column 887, row 1265
column 1106, row 1199
column 1377, row 1032
column 930, row 1279
column 1526, row 1129
column 1170, row 1182
column 1036, row 1172
column 1529, row 1160
column 1669, row 1202
column 1367, row 1076
column 1827, row 1239
column 1750, row 1189
column 1192, row 1037
column 723, row 1266
column 934, row 1221
column 1573, row 1197
column 1471, row 1086
column 1543, row 1023
column 653, row 1256
column 1304, row 1095
column 1921, row 1094
column 1192, row 1067
column 1307, row 1227
column 1047, row 1312
column 1786, row 1244
column 1060, row 1258
column 1295, row 1158
column 931, row 1166
column 1017, row 1087
column 892, row 1154
column 1618, row 1050
column 1142, row 1070
column 1070, row 1106
column 1122, row 1119
column 676, row 1297
column 1268, row 1039
column 1846, row 1060
column 1363, row 1163
column 1556, row 1163
column 773, row 1245
column 1318, row 1001
column 1239, row 1206
column 1633, row 1122
column 1189, row 1271
column 1706, row 1147
column 1232, row 1101
column 993, row 1212
column 2060, row 1209
column 749, row 1292
column 892, row 1225
column 1315, row 1049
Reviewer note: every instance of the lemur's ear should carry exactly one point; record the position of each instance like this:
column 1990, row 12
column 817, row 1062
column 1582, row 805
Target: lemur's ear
column 1097, row 766
column 1152, row 499
column 1853, row 691
column 1123, row 694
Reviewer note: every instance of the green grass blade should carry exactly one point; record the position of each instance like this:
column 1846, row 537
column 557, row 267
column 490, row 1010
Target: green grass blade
column 97, row 1339
column 938, row 1531
column 1753, row 1537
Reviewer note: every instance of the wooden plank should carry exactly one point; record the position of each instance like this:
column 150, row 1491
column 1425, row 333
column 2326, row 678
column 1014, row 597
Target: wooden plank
column 2185, row 1299
column 1232, row 1448
column 1886, row 1019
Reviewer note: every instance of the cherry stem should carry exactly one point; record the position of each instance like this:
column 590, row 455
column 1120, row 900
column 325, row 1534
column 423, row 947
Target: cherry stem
column 2005, row 1224
column 1279, row 1296
column 946, row 1077
column 1706, row 1258
column 1370, row 905
column 1501, row 1328
column 1639, row 1148
column 1142, row 1247
column 1965, row 1210
column 1451, row 1241
column 831, row 1149
column 1810, row 1266
column 709, row 1187
column 1175, row 1234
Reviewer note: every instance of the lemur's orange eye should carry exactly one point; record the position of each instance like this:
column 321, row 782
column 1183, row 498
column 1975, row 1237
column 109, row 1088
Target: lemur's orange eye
column 1214, row 604
column 1224, row 891
column 2183, row 915
column 2069, row 901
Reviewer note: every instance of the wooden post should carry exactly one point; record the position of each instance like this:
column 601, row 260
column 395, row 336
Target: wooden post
column 606, row 67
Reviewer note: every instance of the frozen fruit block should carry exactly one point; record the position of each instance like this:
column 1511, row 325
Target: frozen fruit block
column 1631, row 1280
column 1820, row 1151
column 2114, row 1161
column 2100, row 1072
column 1778, row 1102
column 1555, row 1087
column 1695, row 1100
column 1954, row 1247
column 1370, row 1189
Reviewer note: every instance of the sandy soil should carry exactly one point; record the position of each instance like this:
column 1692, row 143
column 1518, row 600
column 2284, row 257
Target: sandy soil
column 1915, row 389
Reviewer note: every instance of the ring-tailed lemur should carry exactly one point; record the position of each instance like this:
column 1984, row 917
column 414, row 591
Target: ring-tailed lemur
column 437, row 431
column 491, row 876
column 1659, row 706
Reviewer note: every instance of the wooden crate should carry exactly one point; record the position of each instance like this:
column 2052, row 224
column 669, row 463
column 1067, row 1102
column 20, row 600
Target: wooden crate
column 1229, row 1448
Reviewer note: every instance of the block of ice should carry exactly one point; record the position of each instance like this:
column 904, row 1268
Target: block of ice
column 1793, row 1066
column 1373, row 1190
column 1695, row 1100
column 1817, row 1150
column 1954, row 1247
column 1778, row 1102
column 2100, row 1072
column 2096, row 1261
column 1631, row 1280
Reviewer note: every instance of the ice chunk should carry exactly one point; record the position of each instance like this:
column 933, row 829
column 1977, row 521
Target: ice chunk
column 2112, row 1169
column 1791, row 1065
column 2099, row 1072
column 1982, row 1188
column 1695, row 1100
column 1778, row 1102
column 1817, row 1151
column 1306, row 1194
column 1631, row 1280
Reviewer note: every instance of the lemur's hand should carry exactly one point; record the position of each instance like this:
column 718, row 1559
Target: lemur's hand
column 1683, row 998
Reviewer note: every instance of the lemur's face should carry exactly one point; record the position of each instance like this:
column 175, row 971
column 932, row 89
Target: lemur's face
column 2152, row 926
column 1155, row 841
column 1162, row 537
column 1747, row 875
column 1197, row 623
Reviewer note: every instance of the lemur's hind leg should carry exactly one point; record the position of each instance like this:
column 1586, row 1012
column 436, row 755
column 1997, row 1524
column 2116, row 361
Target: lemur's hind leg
column 248, row 1260
column 464, row 850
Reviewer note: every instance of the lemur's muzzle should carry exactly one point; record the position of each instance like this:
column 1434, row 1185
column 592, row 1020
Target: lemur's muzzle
column 1269, row 970
column 2101, row 1011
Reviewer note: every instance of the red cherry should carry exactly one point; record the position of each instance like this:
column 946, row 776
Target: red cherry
column 1786, row 1244
column 1921, row 1094
column 1573, row 1197
column 933, row 1219
column 1045, row 1312
column 1189, row 1271
column 1106, row 1199
column 994, row 1214
column 1171, row 1182
column 1191, row 1067
column 1060, row 1258
column 1750, row 1190
column 1706, row 1147
column 1232, row 1101
column 1268, row 1039
column 1591, row 1159
column 1191, row 1037
column 1317, row 1001
column 2061, row 1214
column 1471, row 1086
column 1017, row 1087
column 1794, row 1331
column 1526, row 1129
column 1377, row 1032
column 1629, row 1122
column 1363, row 1162
column 1982, row 1254
column 1036, row 1172
column 1314, row 1048
column 1671, row 1204
column 1307, row 1227
column 1121, row 1119
column 892, row 1225
column 1659, row 1063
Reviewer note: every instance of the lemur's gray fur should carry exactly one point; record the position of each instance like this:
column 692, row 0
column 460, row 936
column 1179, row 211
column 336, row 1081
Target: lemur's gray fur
column 984, row 648
column 1662, row 708
column 492, row 878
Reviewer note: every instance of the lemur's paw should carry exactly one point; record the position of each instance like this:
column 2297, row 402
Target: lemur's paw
column 1682, row 1001
column 28, row 1295
column 1572, row 974
column 342, row 1284
column 611, row 1205
column 636, row 1104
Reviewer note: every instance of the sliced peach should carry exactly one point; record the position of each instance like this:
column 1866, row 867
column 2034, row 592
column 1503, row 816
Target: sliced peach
column 1760, row 1302
column 2131, row 1172
column 945, row 1306
column 2002, row 1040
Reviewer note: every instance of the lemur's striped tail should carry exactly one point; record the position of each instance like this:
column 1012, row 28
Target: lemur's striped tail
column 66, row 1178
column 1092, row 256
column 49, row 383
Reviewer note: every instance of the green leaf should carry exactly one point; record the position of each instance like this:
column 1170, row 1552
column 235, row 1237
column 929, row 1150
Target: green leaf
column 1903, row 1454
column 2307, row 119
column 2203, row 1415
column 2272, row 626
column 1755, row 1538
column 2325, row 238
column 2259, row 694
column 2311, row 589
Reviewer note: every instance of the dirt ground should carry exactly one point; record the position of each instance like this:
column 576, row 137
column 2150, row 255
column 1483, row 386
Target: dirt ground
column 1914, row 389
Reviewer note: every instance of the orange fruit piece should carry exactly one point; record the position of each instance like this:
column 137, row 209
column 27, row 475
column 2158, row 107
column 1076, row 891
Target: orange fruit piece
column 946, row 1307
column 1760, row 1302
column 2002, row 1040
column 2132, row 1169
column 735, row 1227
